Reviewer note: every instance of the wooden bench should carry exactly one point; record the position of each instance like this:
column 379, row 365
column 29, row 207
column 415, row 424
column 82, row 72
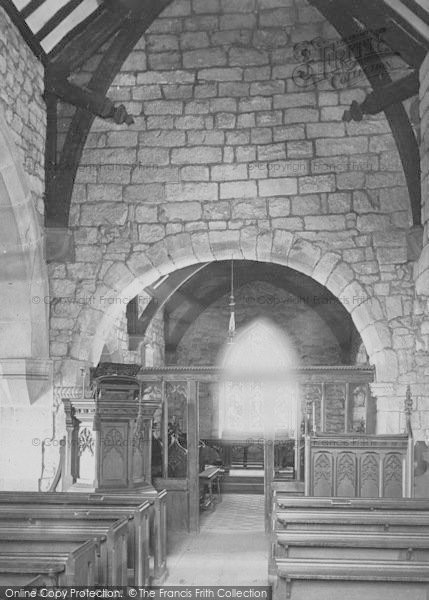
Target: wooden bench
column 359, row 520
column 80, row 514
column 351, row 544
column 38, row 581
column 210, row 492
column 158, row 523
column 20, row 572
column 307, row 502
column 157, row 543
column 327, row 579
column 110, row 542
column 76, row 567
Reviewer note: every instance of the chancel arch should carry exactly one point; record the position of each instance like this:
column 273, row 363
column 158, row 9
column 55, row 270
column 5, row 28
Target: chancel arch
column 121, row 282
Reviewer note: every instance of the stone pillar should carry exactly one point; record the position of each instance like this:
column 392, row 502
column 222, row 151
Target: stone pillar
column 26, row 418
column 390, row 407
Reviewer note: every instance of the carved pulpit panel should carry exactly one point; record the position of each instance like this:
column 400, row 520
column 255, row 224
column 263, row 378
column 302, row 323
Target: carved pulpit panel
column 392, row 476
column 369, row 475
column 322, row 474
column 114, row 459
column 346, row 474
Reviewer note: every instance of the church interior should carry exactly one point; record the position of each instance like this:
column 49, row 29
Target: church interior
column 214, row 316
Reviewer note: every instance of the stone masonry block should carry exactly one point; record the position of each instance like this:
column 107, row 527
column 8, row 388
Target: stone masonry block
column 322, row 271
column 341, row 276
column 282, row 242
column 238, row 189
column 284, row 186
column 306, row 205
column 196, row 155
column 223, row 242
column 195, row 173
column 301, row 115
column 325, row 223
column 289, row 100
column 213, row 57
column 325, row 130
column 201, row 246
column 304, row 255
column 237, row 21
column 180, row 192
column 249, row 209
column 104, row 212
column 217, row 211
column 373, row 222
column 183, row 211
column 146, row 214
column 316, row 184
column 151, row 233
column 157, row 138
column 335, row 146
column 229, row 172
column 104, row 193
column 153, row 156
column 254, row 103
column 279, row 207
column 246, row 57
column 163, row 107
column 226, row 74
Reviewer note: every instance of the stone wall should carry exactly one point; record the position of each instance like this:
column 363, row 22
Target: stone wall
column 23, row 108
column 230, row 155
column 314, row 342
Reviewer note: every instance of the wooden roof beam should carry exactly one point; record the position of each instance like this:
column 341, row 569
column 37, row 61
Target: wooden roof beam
column 97, row 104
column 380, row 99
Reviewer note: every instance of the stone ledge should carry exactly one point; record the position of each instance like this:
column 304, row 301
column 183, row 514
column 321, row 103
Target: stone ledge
column 26, row 380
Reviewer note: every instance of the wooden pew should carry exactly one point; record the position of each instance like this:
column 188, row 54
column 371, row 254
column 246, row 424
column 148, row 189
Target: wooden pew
column 314, row 502
column 327, row 579
column 344, row 519
column 158, row 522
column 110, row 542
column 351, row 544
column 157, row 516
column 82, row 514
column 38, row 581
column 22, row 572
column 76, row 567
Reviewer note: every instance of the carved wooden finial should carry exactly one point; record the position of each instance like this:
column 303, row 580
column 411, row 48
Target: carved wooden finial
column 408, row 401
column 408, row 409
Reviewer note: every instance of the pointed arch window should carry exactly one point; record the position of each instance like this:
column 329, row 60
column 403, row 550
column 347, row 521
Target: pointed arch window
column 259, row 393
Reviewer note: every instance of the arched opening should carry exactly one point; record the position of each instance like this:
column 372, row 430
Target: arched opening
column 25, row 368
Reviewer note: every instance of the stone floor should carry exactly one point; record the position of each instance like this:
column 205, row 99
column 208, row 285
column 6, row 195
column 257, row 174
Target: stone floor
column 231, row 548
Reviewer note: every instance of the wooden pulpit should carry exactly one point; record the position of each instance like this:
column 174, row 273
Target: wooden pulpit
column 109, row 437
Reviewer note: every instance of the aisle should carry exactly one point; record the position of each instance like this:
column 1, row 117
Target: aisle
column 231, row 548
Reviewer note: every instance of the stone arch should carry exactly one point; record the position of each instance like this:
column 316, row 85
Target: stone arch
column 122, row 281
column 25, row 380
column 23, row 273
